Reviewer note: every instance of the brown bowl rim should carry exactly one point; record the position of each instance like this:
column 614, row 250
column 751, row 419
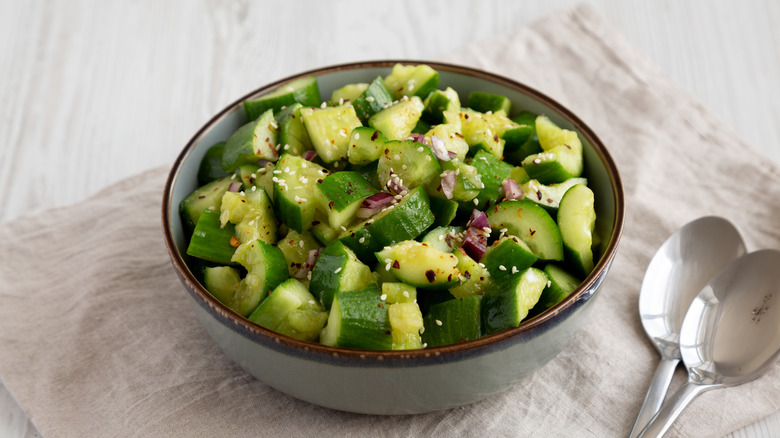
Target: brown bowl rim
column 386, row 357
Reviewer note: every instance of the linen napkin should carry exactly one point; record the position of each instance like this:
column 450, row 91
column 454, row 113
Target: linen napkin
column 97, row 337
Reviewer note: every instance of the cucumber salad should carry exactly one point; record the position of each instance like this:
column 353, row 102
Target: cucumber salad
column 392, row 216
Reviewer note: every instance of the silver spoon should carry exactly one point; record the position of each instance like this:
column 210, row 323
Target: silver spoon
column 731, row 333
column 680, row 268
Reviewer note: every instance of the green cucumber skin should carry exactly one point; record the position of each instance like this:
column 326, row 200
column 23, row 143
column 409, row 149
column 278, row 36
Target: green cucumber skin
column 532, row 224
column 422, row 167
column 342, row 189
column 211, row 164
column 493, row 173
column 484, row 102
column 365, row 323
column 461, row 320
column 562, row 284
column 247, row 143
column 444, row 210
column 307, row 94
column 509, row 254
column 379, row 96
column 435, row 106
column 290, row 310
column 578, row 253
column 366, row 148
column 207, row 197
column 504, row 308
column 325, row 282
column 407, row 220
column 292, row 134
column 210, row 241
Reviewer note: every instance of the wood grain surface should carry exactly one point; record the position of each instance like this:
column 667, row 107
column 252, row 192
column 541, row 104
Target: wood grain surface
column 92, row 92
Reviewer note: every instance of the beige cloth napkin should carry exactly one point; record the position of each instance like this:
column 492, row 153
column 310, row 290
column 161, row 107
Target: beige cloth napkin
column 97, row 337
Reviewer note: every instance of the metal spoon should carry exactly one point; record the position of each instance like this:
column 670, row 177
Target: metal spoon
column 680, row 268
column 731, row 333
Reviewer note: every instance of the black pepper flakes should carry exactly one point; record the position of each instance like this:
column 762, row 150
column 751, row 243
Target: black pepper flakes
column 430, row 275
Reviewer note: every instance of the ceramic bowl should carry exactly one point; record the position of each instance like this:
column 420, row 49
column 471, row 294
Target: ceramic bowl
column 398, row 382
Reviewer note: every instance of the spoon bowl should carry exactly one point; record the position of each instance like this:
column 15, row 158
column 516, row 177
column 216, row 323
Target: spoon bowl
column 680, row 268
column 730, row 334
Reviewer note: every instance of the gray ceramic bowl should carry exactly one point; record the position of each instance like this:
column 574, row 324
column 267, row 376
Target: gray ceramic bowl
column 398, row 382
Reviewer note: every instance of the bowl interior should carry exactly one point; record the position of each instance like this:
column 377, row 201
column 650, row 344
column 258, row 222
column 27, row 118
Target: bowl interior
column 600, row 170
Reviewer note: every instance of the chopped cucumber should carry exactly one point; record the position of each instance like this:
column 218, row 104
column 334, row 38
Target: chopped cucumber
column 296, row 247
column 292, row 134
column 577, row 219
column 373, row 99
column 365, row 145
column 437, row 103
column 479, row 133
column 340, row 195
column 484, row 102
column 444, row 238
column 407, row 164
column 444, row 210
column 532, row 224
column 211, row 164
column 548, row 196
column 453, row 321
column 420, row 265
column 210, row 241
column 560, row 285
column 329, row 129
column 348, row 92
column 562, row 156
column 292, row 311
column 337, row 269
column 412, row 80
column 406, row 321
column 221, row 282
column 305, row 91
column 476, row 278
column 266, row 269
column 252, row 213
column 398, row 120
column 206, row 197
column 492, row 174
column 393, row 292
column 358, row 319
column 293, row 179
column 508, row 305
column 252, row 142
column 507, row 257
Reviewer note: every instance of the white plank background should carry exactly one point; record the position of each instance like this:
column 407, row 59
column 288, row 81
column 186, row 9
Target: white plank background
column 94, row 91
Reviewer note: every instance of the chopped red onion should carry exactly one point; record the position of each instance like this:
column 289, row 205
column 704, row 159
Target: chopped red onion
column 439, row 148
column 478, row 220
column 512, row 190
column 309, row 155
column 234, row 186
column 374, row 203
column 448, row 183
column 262, row 163
column 308, row 265
column 418, row 138
column 474, row 243
column 452, row 155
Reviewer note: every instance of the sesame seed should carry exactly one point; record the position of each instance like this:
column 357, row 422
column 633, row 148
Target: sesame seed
column 514, row 270
column 254, row 175
column 396, row 157
column 476, row 201
column 286, row 170
column 420, row 149
column 403, row 166
column 277, row 172
column 254, row 188
column 287, row 147
column 312, row 302
column 438, row 323
column 297, row 198
column 383, row 297
column 388, row 260
column 304, row 199
column 387, row 267
column 370, row 99
column 233, row 176
column 483, row 158
column 301, row 243
column 341, row 101
column 343, row 228
column 422, row 330
column 501, row 268
column 357, row 136
column 337, row 271
column 308, row 275
column 549, row 283
column 536, row 161
column 324, row 105
column 428, row 157
column 406, row 294
column 425, row 344
column 241, row 193
column 304, row 165
column 362, row 239
column 336, row 164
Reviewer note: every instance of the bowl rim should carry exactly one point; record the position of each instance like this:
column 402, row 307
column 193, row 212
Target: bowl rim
column 387, row 357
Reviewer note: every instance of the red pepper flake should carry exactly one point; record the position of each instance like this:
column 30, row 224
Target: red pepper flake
column 531, row 231
column 459, row 135
column 467, row 274
column 495, row 139
column 331, row 204
column 375, row 135
column 201, row 197
column 538, row 195
column 350, row 191
column 396, row 264
column 430, row 275
column 234, row 242
column 315, row 223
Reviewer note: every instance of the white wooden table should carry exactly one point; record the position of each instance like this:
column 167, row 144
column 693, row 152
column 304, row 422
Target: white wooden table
column 92, row 92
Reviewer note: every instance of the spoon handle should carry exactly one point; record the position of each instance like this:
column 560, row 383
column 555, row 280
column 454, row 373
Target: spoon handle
column 655, row 394
column 672, row 409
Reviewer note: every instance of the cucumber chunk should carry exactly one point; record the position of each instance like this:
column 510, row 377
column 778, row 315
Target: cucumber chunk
column 412, row 80
column 453, row 321
column 562, row 156
column 348, row 92
column 211, row 164
column 295, row 203
column 549, row 196
column 398, row 120
column 532, row 224
column 210, row 241
column 206, row 197
column 479, row 133
column 561, row 284
column 406, row 321
column 254, row 141
column 484, row 102
column 337, row 269
column 452, row 138
column 266, row 269
column 522, row 140
column 407, row 164
column 444, row 210
column 340, row 195
column 373, row 99
column 292, row 134
column 329, row 129
column 296, row 246
column 437, row 103
column 420, row 265
column 577, row 219
column 292, row 311
column 492, row 173
column 509, row 304
column 358, row 319
column 305, row 91
column 393, row 292
column 476, row 278
column 252, row 213
column 506, row 258
column 444, row 238
column 365, row 145
column 468, row 182
column 221, row 282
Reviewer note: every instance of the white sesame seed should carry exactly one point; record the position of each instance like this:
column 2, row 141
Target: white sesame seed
column 476, row 201
column 308, row 275
column 287, row 147
column 336, row 164
column 404, row 166
column 241, row 193
column 286, row 170
column 501, row 268
column 254, row 188
column 428, row 157
column 250, row 223
column 549, row 283
column 514, row 270
column 343, row 228
column 483, row 158
column 420, row 149
column 304, row 199
column 254, row 175
column 362, row 239
column 388, row 260
column 425, row 344
column 277, row 172
column 438, row 323
column 387, row 267
column 356, row 136
column 383, row 297
column 441, row 236
column 337, row 271
column 422, row 329
column 396, row 157
column 312, row 302
column 324, row 105
column 301, row 243
column 536, row 161
column 406, row 294
column 297, row 198
column 341, row 101
column 233, row 176
column 370, row 99
column 304, row 165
